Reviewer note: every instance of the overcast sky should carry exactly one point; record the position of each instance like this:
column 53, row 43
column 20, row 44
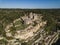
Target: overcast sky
column 29, row 3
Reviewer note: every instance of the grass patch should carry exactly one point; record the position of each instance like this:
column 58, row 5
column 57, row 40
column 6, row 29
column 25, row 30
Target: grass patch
column 17, row 22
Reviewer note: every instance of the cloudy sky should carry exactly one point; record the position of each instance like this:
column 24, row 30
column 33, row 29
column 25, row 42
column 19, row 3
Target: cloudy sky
column 29, row 3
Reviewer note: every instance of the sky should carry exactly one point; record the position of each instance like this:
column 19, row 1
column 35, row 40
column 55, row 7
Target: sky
column 30, row 4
